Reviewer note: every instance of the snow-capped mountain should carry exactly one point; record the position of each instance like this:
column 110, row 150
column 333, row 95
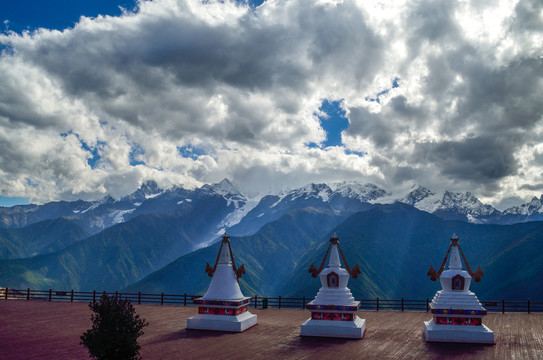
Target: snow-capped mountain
column 355, row 190
column 532, row 211
column 534, row 207
column 450, row 206
column 467, row 204
column 422, row 198
column 95, row 216
column 243, row 215
column 339, row 199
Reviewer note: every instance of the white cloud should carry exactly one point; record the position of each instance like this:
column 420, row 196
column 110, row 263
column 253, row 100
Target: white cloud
column 244, row 86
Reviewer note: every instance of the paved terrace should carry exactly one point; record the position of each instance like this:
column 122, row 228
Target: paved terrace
column 44, row 330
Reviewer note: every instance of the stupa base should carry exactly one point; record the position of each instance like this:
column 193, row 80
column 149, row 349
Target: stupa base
column 236, row 323
column 329, row 328
column 480, row 334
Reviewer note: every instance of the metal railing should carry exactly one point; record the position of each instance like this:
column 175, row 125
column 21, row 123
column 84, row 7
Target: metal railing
column 264, row 302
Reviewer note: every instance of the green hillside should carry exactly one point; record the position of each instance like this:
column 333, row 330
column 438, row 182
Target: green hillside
column 269, row 257
column 112, row 259
column 40, row 238
column 395, row 245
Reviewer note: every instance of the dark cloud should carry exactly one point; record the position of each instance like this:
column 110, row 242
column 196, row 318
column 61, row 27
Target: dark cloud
column 479, row 160
column 533, row 187
column 373, row 126
column 528, row 16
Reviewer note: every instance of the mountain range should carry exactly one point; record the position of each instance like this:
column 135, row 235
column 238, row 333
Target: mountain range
column 158, row 240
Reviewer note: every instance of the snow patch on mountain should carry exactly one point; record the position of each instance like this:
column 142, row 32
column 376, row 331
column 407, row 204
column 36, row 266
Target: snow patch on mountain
column 150, row 196
column 239, row 213
column 281, row 197
column 96, row 204
column 118, row 216
column 182, row 201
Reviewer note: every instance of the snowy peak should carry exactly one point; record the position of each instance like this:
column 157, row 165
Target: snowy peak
column 417, row 195
column 226, row 188
column 147, row 190
column 229, row 191
column 321, row 191
column 534, row 207
column 422, row 198
column 450, row 205
column 355, row 190
column 466, row 204
column 150, row 187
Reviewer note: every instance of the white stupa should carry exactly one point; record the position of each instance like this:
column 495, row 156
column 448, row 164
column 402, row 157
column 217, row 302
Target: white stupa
column 223, row 307
column 333, row 311
column 457, row 313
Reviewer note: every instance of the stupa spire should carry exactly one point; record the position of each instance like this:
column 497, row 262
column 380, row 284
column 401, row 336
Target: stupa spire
column 334, row 259
column 226, row 257
column 455, row 263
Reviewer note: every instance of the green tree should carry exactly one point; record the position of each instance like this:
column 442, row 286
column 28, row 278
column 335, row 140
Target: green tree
column 115, row 330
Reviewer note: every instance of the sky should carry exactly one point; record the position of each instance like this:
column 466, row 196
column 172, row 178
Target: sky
column 98, row 97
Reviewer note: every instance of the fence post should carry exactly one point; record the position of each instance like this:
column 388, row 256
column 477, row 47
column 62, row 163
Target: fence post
column 139, row 297
column 28, row 294
column 427, row 304
column 303, row 303
column 162, row 299
column 503, row 306
column 185, row 300
column 377, row 304
column 72, row 296
column 116, row 294
column 402, row 304
column 279, row 302
column 93, row 296
column 256, row 300
column 50, row 293
column 528, row 306
column 6, row 293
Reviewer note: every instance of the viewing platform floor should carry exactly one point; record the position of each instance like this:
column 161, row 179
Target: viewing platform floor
column 44, row 330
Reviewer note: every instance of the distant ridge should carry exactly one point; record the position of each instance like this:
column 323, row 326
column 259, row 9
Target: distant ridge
column 113, row 244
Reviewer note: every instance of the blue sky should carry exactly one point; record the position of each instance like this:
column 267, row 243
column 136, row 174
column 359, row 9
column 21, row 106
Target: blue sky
column 60, row 14
column 55, row 14
column 333, row 122
column 446, row 95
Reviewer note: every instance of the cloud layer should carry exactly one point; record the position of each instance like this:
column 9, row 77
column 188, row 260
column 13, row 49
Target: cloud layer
column 99, row 108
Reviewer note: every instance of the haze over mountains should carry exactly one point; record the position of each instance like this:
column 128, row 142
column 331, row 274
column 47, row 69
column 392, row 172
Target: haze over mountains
column 159, row 240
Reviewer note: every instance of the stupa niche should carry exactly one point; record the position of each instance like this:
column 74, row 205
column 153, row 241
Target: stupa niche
column 333, row 311
column 457, row 313
column 223, row 307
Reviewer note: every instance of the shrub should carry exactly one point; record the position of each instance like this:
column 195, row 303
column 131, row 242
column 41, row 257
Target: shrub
column 115, row 330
